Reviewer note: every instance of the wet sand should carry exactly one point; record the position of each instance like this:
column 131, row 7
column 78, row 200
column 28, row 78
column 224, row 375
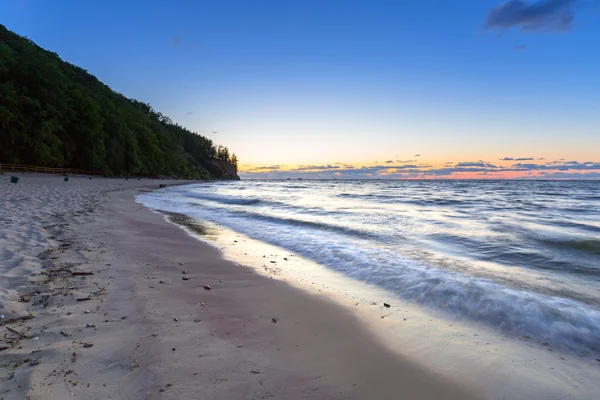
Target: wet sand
column 151, row 334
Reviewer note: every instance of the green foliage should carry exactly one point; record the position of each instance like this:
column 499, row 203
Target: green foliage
column 55, row 114
column 222, row 153
column 234, row 160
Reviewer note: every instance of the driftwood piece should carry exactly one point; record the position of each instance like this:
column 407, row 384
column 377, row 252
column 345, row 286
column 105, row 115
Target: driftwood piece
column 17, row 332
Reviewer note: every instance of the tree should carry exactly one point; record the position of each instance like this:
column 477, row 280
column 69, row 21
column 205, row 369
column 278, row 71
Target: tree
column 234, row 160
column 222, row 153
column 56, row 114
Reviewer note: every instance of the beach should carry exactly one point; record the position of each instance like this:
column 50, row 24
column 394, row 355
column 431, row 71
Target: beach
column 490, row 284
column 93, row 291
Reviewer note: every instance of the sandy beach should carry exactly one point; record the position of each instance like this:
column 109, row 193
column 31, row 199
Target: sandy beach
column 129, row 326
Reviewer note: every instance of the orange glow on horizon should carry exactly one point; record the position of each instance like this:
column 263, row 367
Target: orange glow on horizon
column 516, row 168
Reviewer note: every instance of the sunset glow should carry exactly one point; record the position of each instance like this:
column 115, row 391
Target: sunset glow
column 519, row 168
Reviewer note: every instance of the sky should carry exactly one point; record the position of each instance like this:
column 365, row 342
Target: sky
column 352, row 89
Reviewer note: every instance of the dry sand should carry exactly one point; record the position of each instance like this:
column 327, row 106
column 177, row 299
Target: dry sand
column 153, row 335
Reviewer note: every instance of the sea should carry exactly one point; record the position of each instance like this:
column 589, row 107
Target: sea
column 520, row 258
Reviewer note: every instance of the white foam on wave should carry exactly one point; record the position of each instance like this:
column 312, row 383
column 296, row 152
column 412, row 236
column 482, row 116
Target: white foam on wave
column 559, row 322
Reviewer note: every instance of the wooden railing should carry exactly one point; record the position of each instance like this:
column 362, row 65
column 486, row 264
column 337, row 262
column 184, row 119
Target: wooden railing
column 48, row 170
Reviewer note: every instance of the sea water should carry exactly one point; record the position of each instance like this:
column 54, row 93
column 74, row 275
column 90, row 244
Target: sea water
column 521, row 258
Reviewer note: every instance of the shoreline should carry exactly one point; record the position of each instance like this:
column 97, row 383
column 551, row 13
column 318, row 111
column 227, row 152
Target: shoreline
column 462, row 352
column 254, row 337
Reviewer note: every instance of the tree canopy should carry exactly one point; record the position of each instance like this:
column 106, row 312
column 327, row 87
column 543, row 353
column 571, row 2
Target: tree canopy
column 56, row 114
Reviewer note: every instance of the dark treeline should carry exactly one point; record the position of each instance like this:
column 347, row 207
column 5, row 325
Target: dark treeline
column 55, row 114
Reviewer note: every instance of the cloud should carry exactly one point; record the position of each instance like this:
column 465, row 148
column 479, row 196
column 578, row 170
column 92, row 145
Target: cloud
column 570, row 165
column 520, row 47
column 405, row 161
column 571, row 175
column 316, row 167
column 555, row 170
column 554, row 15
column 417, row 155
column 389, row 161
column 518, row 159
column 410, row 166
column 269, row 167
column 189, row 113
column 475, row 164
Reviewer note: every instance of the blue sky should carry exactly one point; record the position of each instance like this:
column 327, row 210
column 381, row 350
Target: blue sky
column 299, row 83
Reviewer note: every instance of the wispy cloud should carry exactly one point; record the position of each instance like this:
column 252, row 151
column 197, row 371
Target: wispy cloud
column 475, row 164
column 417, row 155
column 266, row 168
column 552, row 15
column 389, row 161
column 316, row 167
column 518, row 159
column 189, row 113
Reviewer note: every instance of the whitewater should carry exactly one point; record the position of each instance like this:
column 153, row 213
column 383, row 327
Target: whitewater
column 520, row 257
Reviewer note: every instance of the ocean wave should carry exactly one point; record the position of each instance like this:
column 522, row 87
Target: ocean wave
column 591, row 246
column 588, row 197
column 512, row 254
column 226, row 200
column 294, row 187
column 563, row 323
column 399, row 199
column 366, row 239
column 301, row 223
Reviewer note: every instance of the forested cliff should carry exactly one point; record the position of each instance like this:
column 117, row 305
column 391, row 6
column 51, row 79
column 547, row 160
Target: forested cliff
column 55, row 114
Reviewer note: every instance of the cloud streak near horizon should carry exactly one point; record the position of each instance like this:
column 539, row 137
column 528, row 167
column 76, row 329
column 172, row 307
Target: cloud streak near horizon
column 529, row 16
column 474, row 169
